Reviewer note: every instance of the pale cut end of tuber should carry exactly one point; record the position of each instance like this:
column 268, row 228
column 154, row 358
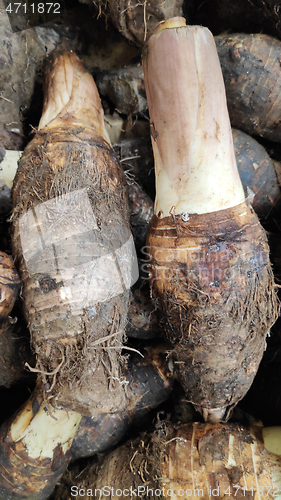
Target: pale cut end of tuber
column 272, row 439
column 174, row 22
column 195, row 164
column 61, row 426
column 214, row 415
column 71, row 96
column 35, row 448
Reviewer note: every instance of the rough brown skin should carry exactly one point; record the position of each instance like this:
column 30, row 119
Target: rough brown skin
column 143, row 317
column 14, row 353
column 150, row 383
column 215, row 287
column 141, row 208
column 125, row 89
column 137, row 20
column 9, row 284
column 252, row 75
column 184, row 461
column 70, row 337
column 14, row 349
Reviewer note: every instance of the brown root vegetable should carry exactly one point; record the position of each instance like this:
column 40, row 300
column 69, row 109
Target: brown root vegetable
column 73, row 244
column 9, row 284
column 143, row 317
column 257, row 173
column 14, row 353
column 150, row 383
column 22, row 56
column 141, row 208
column 35, row 449
column 209, row 257
column 14, row 347
column 188, row 461
column 252, row 75
column 125, row 88
column 136, row 20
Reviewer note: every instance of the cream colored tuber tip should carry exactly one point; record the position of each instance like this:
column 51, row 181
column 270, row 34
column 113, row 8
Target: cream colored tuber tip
column 8, row 167
column 174, row 22
column 43, row 432
column 71, row 96
column 195, row 164
column 272, row 439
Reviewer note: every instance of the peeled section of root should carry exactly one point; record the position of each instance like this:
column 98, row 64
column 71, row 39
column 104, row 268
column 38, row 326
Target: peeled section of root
column 71, row 96
column 187, row 461
column 35, row 449
column 209, row 258
column 191, row 135
column 72, row 240
column 150, row 382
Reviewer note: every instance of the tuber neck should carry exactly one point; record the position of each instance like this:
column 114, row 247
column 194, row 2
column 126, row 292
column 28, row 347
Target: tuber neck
column 195, row 164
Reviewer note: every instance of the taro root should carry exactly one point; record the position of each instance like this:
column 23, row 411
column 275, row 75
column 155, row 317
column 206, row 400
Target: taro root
column 14, row 348
column 141, row 209
column 125, row 89
column 150, row 383
column 73, row 245
column 187, row 461
column 143, row 317
column 137, row 20
column 257, row 173
column 252, row 75
column 209, row 257
column 35, row 449
column 36, row 443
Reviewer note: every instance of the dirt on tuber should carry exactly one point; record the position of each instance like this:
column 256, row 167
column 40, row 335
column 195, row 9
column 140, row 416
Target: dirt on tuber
column 209, row 257
column 73, row 245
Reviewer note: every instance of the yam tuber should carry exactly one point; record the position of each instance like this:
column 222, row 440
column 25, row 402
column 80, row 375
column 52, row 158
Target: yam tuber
column 257, row 173
column 14, row 348
column 73, row 245
column 143, row 317
column 252, row 74
column 149, row 384
column 209, row 256
column 136, row 21
column 188, row 461
column 35, row 449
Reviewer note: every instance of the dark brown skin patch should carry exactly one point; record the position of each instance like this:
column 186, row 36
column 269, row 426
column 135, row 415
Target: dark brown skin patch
column 251, row 71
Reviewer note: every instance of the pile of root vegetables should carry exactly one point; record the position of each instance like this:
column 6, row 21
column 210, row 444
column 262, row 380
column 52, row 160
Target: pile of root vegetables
column 140, row 202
